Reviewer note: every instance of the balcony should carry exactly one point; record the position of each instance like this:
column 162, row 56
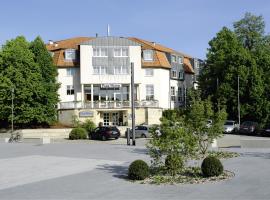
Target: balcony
column 107, row 104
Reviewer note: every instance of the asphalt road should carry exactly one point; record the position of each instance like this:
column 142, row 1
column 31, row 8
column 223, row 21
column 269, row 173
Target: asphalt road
column 97, row 170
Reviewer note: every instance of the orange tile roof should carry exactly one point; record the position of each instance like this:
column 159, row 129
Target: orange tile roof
column 187, row 66
column 59, row 47
column 159, row 58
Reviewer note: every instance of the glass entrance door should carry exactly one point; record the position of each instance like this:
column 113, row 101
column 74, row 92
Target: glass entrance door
column 106, row 119
column 115, row 119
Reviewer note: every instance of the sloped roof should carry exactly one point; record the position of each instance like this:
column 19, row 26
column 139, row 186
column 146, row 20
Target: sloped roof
column 187, row 66
column 71, row 43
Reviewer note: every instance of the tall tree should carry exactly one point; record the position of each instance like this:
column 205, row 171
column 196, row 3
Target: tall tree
column 34, row 91
column 48, row 72
column 243, row 53
column 250, row 30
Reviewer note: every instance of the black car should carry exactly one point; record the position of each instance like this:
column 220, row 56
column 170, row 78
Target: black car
column 266, row 130
column 249, row 128
column 105, row 133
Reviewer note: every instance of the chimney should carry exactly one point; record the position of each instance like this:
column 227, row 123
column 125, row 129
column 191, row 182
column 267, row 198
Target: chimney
column 96, row 34
column 50, row 42
column 55, row 44
column 154, row 43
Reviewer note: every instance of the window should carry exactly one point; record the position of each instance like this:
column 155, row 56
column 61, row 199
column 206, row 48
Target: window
column 180, row 94
column 51, row 53
column 174, row 74
column 149, row 92
column 121, row 52
column 148, row 55
column 181, row 75
column 70, row 54
column 172, row 93
column 173, row 58
column 70, row 71
column 70, row 90
column 149, row 72
column 100, row 52
column 120, row 70
column 99, row 70
column 180, row 60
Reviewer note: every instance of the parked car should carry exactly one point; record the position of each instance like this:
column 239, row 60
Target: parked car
column 105, row 133
column 141, row 131
column 229, row 126
column 249, row 127
column 266, row 130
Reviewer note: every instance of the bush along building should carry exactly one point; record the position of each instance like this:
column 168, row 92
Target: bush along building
column 95, row 79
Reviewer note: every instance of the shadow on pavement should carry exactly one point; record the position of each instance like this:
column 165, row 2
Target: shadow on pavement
column 118, row 171
column 256, row 154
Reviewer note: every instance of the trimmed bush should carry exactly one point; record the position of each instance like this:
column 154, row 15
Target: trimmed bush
column 138, row 170
column 88, row 125
column 211, row 166
column 78, row 133
column 174, row 164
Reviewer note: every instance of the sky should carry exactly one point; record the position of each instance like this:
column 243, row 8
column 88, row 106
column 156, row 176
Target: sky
column 184, row 25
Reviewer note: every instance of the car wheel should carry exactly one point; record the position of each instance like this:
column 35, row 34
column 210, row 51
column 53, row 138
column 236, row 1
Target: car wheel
column 116, row 138
column 103, row 138
column 143, row 136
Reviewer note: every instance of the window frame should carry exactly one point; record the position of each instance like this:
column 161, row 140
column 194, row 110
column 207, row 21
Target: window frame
column 145, row 53
column 151, row 70
column 70, row 72
column 174, row 59
column 149, row 96
column 97, row 52
column 173, row 93
column 70, row 90
column 69, row 52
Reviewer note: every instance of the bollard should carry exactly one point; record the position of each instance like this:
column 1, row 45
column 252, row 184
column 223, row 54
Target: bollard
column 128, row 136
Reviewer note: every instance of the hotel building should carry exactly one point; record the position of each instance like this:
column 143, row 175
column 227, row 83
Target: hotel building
column 95, row 79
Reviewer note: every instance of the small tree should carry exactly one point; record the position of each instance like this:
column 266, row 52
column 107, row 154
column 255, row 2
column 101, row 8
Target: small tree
column 175, row 141
column 198, row 114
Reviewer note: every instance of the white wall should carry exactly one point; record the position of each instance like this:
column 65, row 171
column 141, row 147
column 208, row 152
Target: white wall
column 160, row 80
column 65, row 80
column 87, row 76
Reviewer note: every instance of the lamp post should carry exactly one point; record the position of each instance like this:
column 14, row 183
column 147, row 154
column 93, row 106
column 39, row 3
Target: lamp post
column 12, row 110
column 132, row 106
column 238, row 100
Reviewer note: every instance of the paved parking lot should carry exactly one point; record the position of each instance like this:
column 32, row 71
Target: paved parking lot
column 97, row 170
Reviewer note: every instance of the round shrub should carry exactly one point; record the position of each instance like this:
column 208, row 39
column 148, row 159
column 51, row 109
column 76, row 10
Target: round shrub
column 138, row 170
column 78, row 133
column 211, row 166
column 174, row 164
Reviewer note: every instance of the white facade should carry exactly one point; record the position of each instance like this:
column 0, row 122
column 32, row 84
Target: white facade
column 106, row 95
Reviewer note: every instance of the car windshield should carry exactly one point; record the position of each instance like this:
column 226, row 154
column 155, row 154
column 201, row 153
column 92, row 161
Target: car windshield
column 228, row 123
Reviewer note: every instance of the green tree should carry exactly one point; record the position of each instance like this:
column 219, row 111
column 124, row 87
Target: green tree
column 244, row 53
column 196, row 121
column 49, row 98
column 20, row 69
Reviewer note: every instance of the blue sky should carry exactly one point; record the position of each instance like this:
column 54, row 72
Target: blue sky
column 185, row 26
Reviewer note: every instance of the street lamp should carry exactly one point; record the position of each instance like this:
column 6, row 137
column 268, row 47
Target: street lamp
column 12, row 109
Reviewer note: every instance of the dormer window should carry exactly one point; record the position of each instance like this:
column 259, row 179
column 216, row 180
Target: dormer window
column 180, row 60
column 148, row 55
column 173, row 58
column 70, row 54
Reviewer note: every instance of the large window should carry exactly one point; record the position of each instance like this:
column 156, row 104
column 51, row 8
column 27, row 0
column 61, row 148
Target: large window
column 148, row 55
column 99, row 70
column 100, row 52
column 172, row 93
column 150, row 92
column 70, row 90
column 174, row 74
column 180, row 94
column 118, row 70
column 181, row 75
column 121, row 52
column 180, row 60
column 149, row 72
column 70, row 54
column 173, row 58
column 70, row 71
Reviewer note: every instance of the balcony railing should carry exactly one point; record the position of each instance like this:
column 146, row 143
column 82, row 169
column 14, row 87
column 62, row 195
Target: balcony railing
column 107, row 104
